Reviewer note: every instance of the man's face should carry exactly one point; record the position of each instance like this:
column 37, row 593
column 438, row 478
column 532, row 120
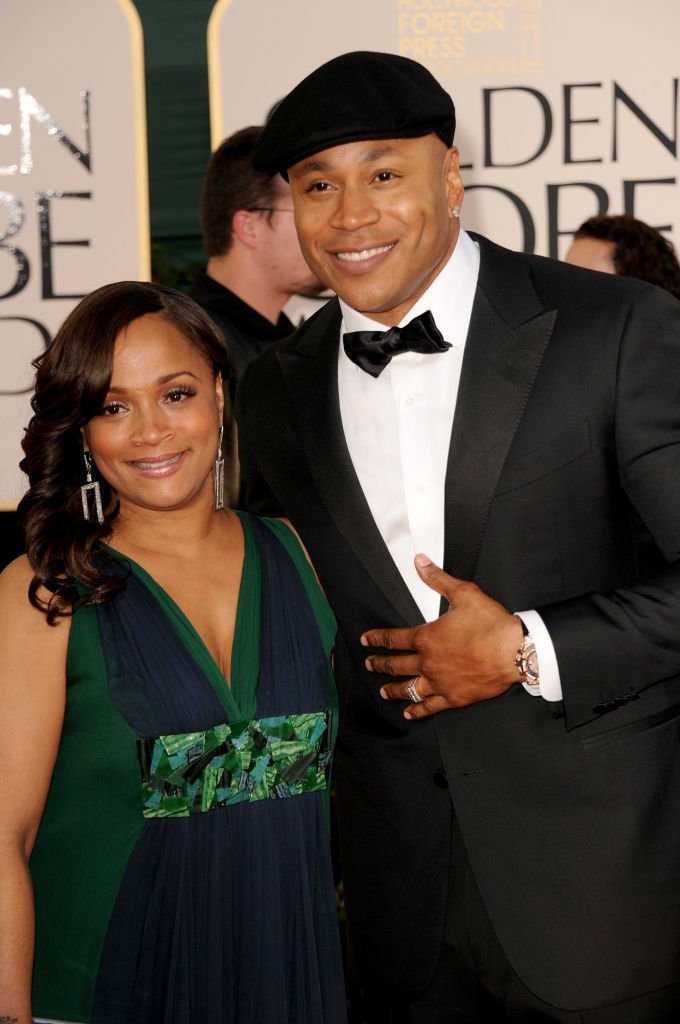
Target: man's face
column 375, row 219
column 283, row 262
column 592, row 253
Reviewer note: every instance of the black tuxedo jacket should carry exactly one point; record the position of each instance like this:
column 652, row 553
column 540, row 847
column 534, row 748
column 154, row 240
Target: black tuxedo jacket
column 562, row 494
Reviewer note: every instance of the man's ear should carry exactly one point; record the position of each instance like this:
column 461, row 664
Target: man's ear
column 454, row 184
column 244, row 227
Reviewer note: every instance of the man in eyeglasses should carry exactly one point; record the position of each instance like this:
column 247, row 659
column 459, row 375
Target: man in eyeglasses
column 254, row 261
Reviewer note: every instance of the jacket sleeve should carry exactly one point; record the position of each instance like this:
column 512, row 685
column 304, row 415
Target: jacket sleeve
column 612, row 646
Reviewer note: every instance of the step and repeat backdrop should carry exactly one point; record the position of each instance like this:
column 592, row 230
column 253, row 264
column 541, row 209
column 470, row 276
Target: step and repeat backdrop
column 73, row 181
column 564, row 111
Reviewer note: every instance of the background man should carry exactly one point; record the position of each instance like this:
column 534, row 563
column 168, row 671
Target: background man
column 254, row 259
column 619, row 244
column 507, row 855
column 254, row 263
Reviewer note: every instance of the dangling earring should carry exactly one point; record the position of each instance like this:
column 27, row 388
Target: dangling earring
column 219, row 474
column 91, row 485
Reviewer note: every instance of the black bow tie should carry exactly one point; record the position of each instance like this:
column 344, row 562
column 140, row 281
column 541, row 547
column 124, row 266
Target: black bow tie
column 373, row 350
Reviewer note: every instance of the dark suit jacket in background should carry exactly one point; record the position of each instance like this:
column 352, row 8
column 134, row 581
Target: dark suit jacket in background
column 562, row 494
column 247, row 334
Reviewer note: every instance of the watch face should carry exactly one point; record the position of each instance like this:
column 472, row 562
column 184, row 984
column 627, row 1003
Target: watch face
column 527, row 662
column 532, row 662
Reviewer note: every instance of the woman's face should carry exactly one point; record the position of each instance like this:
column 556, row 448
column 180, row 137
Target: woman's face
column 155, row 440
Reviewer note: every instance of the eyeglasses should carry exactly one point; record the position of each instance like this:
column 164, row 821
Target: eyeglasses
column 270, row 209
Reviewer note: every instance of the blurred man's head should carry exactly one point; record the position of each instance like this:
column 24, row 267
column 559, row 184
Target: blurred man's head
column 247, row 222
column 627, row 246
column 366, row 143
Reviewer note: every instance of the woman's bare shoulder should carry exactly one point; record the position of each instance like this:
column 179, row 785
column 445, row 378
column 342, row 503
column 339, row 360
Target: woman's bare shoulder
column 16, row 610
column 16, row 577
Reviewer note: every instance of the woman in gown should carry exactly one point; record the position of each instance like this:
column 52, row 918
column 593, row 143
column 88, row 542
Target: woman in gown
column 168, row 706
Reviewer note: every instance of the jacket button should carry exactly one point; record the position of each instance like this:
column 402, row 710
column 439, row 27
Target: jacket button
column 439, row 779
column 604, row 706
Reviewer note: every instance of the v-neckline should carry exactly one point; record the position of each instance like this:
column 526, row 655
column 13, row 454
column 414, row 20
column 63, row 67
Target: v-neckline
column 237, row 692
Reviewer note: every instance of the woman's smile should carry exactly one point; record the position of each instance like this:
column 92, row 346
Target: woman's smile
column 159, row 465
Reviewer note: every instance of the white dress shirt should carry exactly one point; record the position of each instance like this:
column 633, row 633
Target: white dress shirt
column 398, row 428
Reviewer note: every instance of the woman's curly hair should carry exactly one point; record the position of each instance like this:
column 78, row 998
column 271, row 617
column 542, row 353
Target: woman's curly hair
column 639, row 250
column 72, row 380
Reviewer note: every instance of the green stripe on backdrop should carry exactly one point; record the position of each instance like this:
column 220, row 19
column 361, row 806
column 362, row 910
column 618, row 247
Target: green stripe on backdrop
column 175, row 54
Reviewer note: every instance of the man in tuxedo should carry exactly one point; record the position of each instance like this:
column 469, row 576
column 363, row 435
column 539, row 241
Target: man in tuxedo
column 508, row 764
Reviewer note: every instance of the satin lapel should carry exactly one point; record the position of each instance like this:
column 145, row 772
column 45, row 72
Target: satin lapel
column 501, row 360
column 311, row 375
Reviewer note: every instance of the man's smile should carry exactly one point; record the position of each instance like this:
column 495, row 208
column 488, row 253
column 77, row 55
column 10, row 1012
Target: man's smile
column 359, row 255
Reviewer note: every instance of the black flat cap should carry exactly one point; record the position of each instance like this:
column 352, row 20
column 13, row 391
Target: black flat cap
column 360, row 95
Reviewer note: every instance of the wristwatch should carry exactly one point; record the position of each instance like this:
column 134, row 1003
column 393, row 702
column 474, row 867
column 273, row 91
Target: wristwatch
column 526, row 661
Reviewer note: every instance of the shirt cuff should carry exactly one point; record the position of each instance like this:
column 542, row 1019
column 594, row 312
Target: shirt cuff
column 550, row 686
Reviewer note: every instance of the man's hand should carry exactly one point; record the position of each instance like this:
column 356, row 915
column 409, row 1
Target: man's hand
column 466, row 655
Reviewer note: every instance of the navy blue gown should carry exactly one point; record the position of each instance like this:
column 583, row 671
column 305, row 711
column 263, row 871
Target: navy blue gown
column 182, row 872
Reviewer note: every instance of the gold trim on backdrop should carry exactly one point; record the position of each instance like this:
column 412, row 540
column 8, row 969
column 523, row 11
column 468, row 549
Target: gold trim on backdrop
column 140, row 157
column 215, row 73
column 134, row 21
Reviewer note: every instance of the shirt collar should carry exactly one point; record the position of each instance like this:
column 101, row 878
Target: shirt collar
column 449, row 298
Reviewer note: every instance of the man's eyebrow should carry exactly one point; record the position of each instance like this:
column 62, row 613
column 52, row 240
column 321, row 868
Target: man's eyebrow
column 312, row 165
column 377, row 154
column 325, row 165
